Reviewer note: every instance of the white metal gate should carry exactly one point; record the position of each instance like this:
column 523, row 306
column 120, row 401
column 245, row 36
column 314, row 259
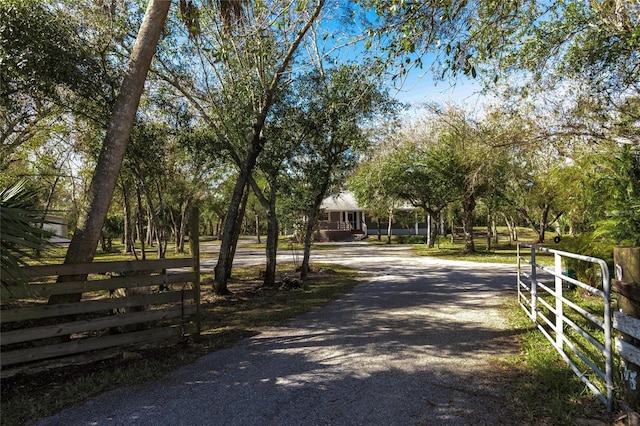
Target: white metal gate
column 540, row 294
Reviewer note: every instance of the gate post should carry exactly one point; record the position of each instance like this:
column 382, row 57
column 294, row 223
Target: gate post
column 559, row 302
column 534, row 285
column 627, row 320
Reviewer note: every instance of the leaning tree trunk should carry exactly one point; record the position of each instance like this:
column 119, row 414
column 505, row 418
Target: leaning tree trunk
column 236, row 233
column 229, row 236
column 468, row 205
column 82, row 247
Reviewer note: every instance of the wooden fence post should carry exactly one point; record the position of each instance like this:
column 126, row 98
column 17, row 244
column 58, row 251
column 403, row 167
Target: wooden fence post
column 627, row 320
column 194, row 244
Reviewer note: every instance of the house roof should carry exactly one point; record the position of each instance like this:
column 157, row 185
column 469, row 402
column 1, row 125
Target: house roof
column 344, row 201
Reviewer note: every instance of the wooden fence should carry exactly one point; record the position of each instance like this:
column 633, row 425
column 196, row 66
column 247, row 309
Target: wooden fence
column 123, row 304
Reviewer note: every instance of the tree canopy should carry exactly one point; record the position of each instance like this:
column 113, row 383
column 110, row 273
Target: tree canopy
column 270, row 97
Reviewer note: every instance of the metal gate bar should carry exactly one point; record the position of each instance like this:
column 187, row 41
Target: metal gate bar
column 533, row 304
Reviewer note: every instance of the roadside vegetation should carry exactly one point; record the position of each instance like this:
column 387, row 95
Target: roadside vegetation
column 542, row 389
column 503, row 250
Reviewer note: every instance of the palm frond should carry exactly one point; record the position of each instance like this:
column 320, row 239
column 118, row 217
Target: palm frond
column 22, row 236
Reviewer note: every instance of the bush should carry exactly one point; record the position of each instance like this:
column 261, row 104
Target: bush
column 410, row 239
column 587, row 244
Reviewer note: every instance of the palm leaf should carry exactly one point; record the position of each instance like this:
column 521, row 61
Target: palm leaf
column 21, row 234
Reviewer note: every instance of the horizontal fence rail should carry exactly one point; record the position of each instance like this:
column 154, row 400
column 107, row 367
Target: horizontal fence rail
column 126, row 303
column 583, row 338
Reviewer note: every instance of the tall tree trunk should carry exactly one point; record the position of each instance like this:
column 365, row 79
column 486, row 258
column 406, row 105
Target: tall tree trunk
column 489, row 234
column 231, row 229
column 273, row 230
column 176, row 230
column 542, row 226
column 151, row 229
column 379, row 230
column 494, row 229
column 433, row 214
column 220, row 226
column 272, row 246
column 238, row 228
column 429, row 225
column 468, row 205
column 304, row 268
column 154, row 222
column 227, row 245
column 82, row 247
column 140, row 224
column 257, row 216
column 183, row 225
column 128, row 238
column 389, row 226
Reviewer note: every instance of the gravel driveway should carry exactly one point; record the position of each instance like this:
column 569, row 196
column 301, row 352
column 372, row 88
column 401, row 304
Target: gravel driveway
column 415, row 343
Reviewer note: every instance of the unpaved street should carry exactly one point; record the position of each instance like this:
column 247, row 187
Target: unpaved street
column 415, row 343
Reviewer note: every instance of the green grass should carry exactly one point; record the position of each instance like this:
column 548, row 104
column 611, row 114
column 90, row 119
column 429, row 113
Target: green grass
column 56, row 254
column 455, row 251
column 225, row 320
column 503, row 252
column 542, row 387
column 286, row 245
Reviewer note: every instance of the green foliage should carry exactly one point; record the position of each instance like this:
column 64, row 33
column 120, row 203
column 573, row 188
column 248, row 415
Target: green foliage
column 332, row 111
column 432, row 176
column 622, row 185
column 21, row 234
column 409, row 239
column 40, row 52
column 528, row 45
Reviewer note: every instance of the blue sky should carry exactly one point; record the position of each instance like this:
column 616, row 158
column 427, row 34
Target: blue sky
column 423, row 89
column 419, row 85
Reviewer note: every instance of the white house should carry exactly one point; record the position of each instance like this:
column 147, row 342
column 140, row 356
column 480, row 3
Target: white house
column 343, row 219
column 58, row 226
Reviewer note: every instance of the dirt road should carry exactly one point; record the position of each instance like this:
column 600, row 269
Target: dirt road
column 415, row 343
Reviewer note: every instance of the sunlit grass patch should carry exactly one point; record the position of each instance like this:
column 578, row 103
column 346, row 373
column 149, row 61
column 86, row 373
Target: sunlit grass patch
column 542, row 387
